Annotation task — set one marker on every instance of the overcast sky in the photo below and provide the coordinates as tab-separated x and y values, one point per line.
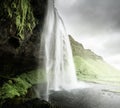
94	23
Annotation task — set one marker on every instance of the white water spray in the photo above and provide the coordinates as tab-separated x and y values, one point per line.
55	46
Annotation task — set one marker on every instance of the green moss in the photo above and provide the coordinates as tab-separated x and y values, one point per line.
19	85
21	13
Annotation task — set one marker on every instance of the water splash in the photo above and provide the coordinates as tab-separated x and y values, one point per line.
55	50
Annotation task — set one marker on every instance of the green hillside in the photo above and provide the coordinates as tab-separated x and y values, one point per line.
91	67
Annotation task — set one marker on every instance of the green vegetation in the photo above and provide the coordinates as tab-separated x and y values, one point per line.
18	86
21	13
96	71
91	67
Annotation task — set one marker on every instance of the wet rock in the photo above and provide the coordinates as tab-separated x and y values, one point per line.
22	103
18	55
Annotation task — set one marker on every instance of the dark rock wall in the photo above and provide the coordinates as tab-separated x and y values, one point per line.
19	55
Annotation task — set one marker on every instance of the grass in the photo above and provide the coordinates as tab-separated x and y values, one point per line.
96	71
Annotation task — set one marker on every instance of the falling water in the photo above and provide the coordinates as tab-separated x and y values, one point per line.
55	46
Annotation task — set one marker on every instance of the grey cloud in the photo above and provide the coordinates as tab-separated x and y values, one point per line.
94	19
113	45
97	14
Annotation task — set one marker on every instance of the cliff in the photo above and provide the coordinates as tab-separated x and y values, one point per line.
79	50
21	24
92	67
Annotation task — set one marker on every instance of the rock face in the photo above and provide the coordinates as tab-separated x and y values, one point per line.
79	50
20	28
22	103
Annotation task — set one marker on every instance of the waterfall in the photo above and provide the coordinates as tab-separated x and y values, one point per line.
55	50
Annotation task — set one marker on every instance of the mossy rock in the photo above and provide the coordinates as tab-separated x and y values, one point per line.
19	85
